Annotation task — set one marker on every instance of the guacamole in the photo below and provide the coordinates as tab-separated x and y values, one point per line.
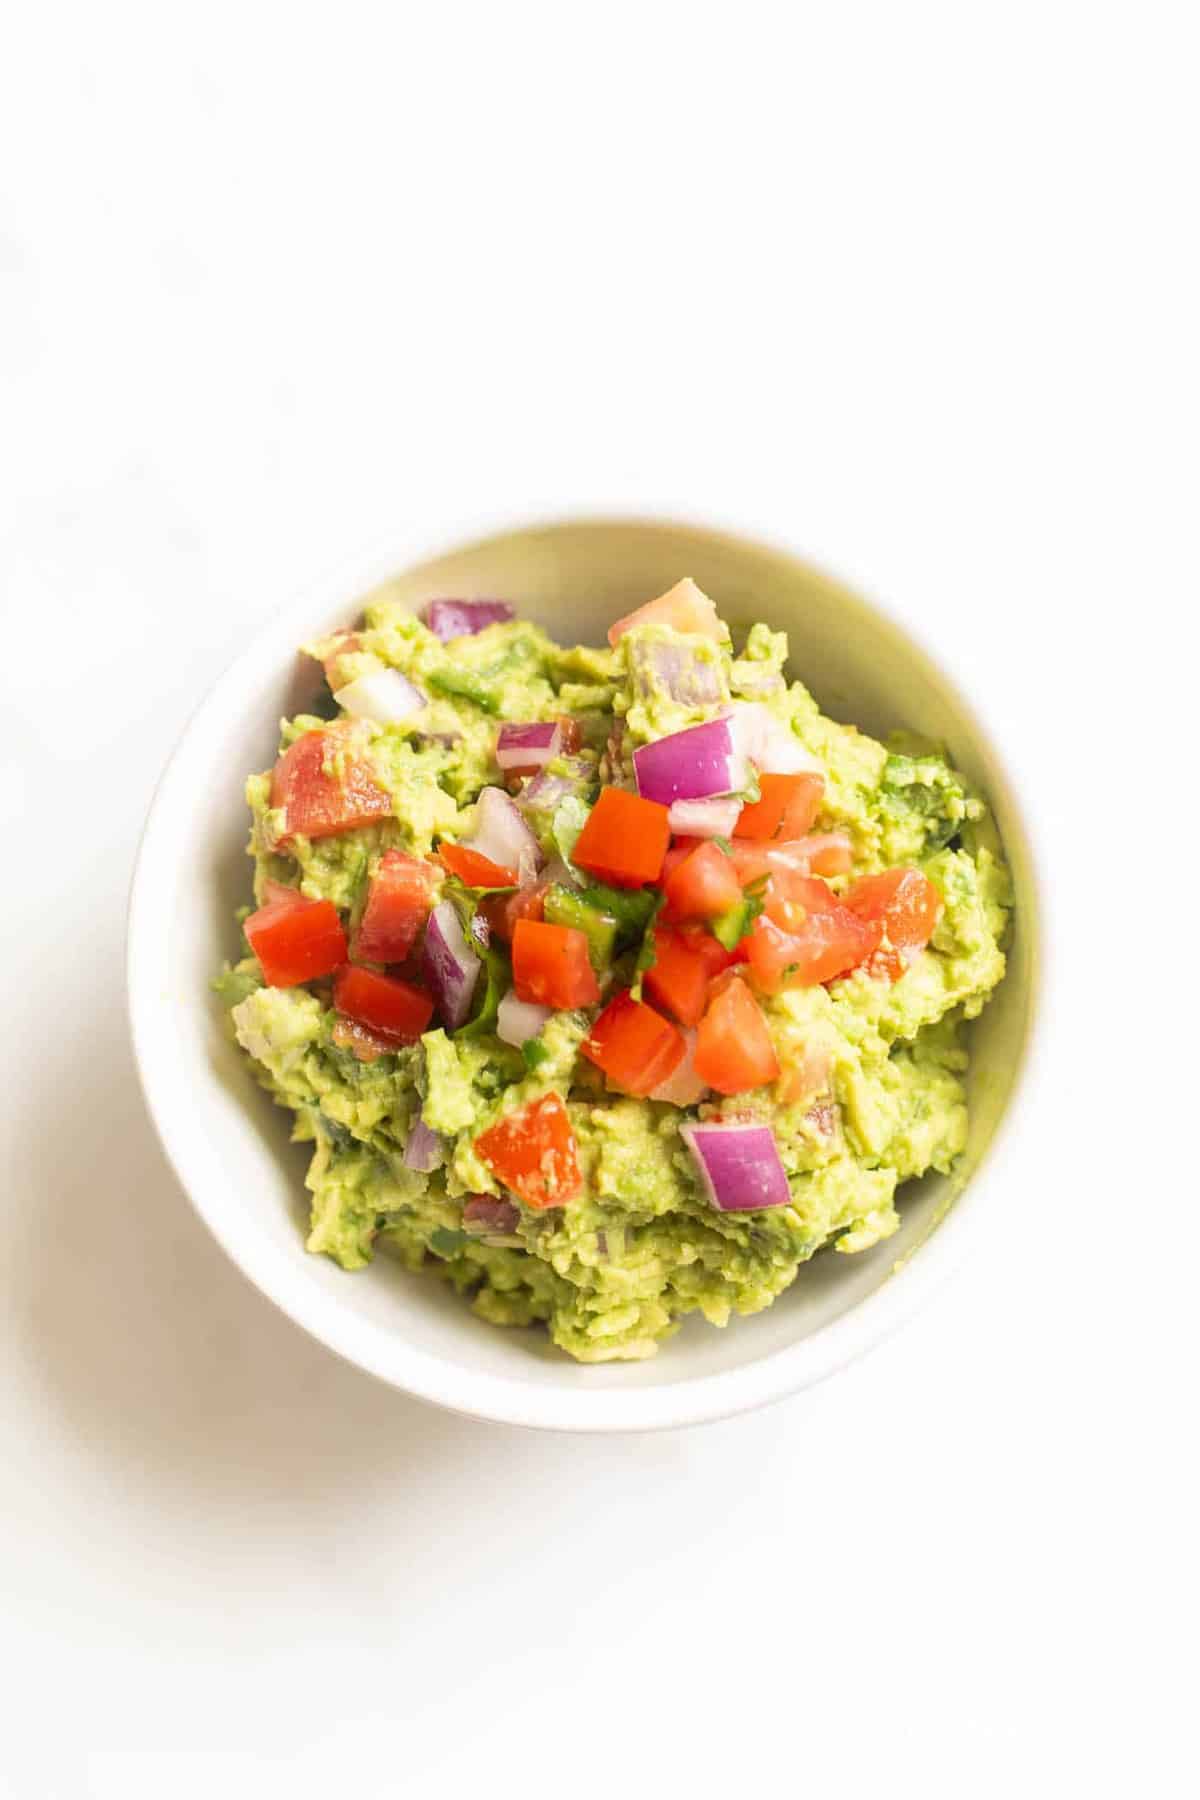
607	984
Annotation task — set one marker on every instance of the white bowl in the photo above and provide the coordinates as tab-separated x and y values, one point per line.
229	1144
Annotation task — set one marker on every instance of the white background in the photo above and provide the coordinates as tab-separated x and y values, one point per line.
912	287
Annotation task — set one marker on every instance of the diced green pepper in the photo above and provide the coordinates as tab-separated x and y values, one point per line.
563	907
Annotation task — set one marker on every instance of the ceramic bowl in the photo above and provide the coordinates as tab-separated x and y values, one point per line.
229	1144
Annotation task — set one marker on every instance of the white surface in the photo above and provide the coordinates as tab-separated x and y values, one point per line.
229	1146
918	282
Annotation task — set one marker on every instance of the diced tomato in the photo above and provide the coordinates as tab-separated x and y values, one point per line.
786	807
685	607
323	784
887	963
475	870
634	1045
904	901
296	940
703	886
624	840
399	901
393	1009
275	892
822	853
502	911
534	1153
551	965
678	978
750	860
701	942
806	936
734	1051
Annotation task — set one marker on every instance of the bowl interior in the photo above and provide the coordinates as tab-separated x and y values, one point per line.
230	1144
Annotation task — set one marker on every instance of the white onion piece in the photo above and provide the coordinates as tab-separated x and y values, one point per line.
772	746
519	1020
502	835
683	1087
704	818
560	874
384	695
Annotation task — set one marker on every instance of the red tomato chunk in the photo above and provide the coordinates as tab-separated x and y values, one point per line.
296	940
324	785
394	1010
534	1153
399	901
551	965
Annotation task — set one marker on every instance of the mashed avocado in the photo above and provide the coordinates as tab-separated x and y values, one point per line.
866	1090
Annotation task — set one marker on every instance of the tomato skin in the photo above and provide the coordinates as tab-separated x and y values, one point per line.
904	901
685	606
807	937
502	911
703	886
634	1045
473	870
734	1052
701	942
534	1153
399	900
678	978
787	807
393	1010
323	786
552	966
296	940
624	840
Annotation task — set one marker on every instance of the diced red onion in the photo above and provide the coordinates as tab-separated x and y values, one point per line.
502	835
462	618
483	1212
704	818
449	965
546	791
691	765
519	1020
384	695
425	1149
771	746
528	746
688	678
683	1087
739	1166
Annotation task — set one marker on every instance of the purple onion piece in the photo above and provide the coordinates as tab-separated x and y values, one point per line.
739	1166
425	1149
687	677
502	835
524	746
483	1212
449	965
705	818
462	618
695	764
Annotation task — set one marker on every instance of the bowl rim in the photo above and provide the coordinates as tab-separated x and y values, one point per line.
481	1394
